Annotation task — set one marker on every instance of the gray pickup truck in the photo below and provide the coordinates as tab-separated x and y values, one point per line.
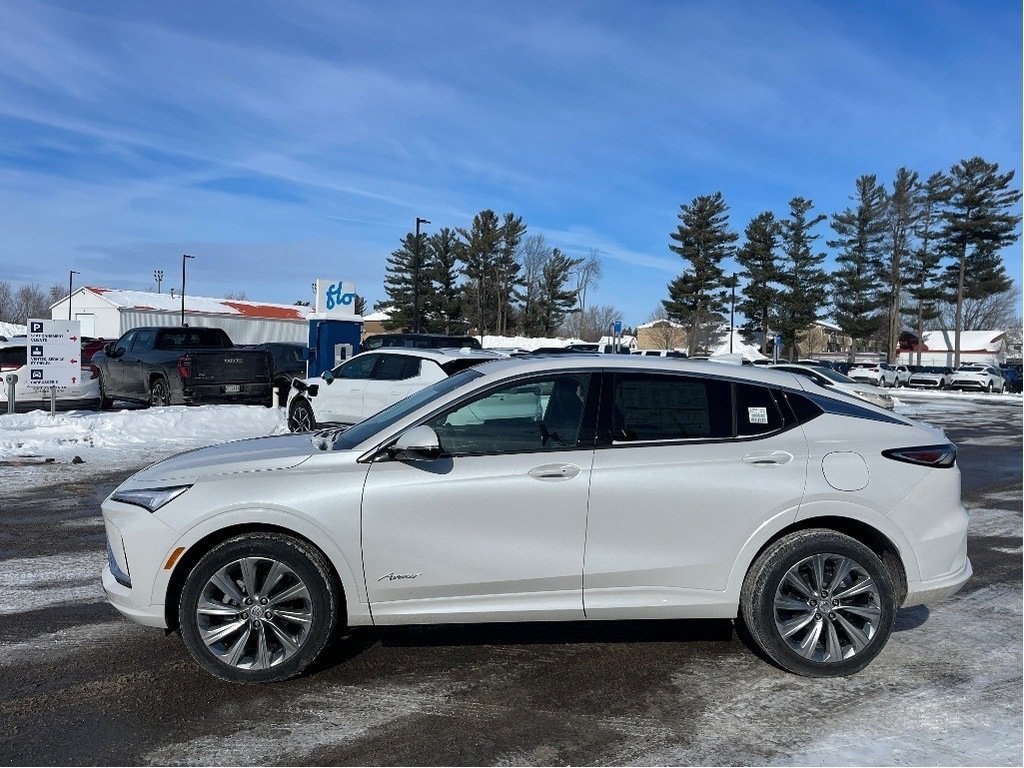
171	366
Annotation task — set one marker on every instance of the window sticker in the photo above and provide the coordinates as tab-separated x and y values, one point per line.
757	415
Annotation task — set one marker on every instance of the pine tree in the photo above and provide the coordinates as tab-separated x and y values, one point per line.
479	252
554	298
859	292
506	270
980	219
398	285
442	265
760	265
901	216
804	282
923	262
704	240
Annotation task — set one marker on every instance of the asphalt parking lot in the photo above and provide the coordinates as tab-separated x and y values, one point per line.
81	686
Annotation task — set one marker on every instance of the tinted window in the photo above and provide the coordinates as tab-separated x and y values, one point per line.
125	342
193	338
143	340
756	411
543	414
397	368
653	407
359	367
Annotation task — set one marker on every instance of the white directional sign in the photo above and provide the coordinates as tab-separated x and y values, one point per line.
54	353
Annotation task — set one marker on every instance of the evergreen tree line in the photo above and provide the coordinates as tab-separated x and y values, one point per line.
491	278
902	254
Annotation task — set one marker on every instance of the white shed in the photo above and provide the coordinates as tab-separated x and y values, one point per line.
107	313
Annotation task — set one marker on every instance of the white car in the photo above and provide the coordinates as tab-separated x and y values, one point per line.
903	374
577	488
372	381
930	377
878	374
826	377
83	393
985	378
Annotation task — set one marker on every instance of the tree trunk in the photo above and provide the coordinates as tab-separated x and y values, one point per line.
959	307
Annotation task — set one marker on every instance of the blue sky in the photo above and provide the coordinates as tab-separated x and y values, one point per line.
282	142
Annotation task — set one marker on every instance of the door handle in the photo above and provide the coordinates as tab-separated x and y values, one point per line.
773	459
555	472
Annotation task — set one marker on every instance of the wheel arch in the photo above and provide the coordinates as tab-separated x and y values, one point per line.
199	549
863	532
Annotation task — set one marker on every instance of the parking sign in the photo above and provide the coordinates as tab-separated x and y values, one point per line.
55	353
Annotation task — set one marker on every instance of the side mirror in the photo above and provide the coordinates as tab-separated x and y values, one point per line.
327	376
417	444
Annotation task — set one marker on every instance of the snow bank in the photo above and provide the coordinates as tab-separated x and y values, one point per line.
117	440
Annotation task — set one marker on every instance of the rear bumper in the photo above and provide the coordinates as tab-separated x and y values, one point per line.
258	394
934	589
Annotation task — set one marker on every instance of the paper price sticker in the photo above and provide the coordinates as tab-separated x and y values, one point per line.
757	415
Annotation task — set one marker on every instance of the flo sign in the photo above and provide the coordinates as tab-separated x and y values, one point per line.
335	298
54	353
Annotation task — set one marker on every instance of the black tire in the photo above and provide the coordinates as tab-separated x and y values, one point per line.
106	403
990	388
300	416
830	636
272	647
159	391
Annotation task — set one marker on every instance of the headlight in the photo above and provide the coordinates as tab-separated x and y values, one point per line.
150	498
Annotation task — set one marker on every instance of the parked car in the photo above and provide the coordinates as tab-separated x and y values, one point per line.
419	341
287	362
829	379
985	378
930	377
552	489
83	393
371	381
903	374
879	374
171	366
1013	379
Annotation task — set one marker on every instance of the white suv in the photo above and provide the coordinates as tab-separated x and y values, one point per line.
571	488
372	381
83	393
879	374
986	378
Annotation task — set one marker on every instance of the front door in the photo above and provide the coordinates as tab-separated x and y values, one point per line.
495	528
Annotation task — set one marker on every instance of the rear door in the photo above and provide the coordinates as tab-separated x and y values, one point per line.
687	468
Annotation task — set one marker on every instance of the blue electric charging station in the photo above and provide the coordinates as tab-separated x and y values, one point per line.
331	341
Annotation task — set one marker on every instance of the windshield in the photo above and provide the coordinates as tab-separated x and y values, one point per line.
368	427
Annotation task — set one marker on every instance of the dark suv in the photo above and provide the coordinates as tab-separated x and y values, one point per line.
419	341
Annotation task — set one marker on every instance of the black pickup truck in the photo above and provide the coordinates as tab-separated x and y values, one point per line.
170	366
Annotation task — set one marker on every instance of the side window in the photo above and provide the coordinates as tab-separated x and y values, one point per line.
143	340
545	414
125	342
666	407
359	367
756	411
397	368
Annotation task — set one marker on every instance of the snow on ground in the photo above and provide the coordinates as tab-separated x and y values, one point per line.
108	441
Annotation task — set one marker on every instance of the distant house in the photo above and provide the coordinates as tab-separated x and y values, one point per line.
109	312
986	347
661	334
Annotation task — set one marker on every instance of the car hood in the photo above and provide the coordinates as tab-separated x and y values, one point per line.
253	455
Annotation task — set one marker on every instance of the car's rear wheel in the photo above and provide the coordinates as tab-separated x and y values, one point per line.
300	416
819	603
258	608
159	392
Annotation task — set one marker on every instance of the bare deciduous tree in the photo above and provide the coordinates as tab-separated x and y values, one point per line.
995	312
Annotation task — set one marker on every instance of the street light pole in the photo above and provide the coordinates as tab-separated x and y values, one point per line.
183	257
416	277
71	278
158	275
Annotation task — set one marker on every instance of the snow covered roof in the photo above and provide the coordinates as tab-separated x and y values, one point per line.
656	323
827	324
377	317
970	341
10	329
164	302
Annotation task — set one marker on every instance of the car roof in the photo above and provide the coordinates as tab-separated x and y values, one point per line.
441	355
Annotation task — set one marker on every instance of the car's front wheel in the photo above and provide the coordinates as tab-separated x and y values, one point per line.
819	603
300	416
258	608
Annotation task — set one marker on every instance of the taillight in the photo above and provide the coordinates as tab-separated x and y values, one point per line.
939	456
184	366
